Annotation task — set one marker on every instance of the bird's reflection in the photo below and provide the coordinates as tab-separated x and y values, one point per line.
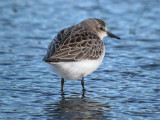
77	108
63	94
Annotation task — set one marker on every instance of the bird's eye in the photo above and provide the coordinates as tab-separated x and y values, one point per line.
101	28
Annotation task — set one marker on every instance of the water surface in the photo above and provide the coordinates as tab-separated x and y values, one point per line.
125	87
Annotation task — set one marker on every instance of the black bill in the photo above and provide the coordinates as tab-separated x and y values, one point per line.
112	35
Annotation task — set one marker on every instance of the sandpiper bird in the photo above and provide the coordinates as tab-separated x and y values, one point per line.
78	50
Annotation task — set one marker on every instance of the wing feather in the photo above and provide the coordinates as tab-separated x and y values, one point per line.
70	46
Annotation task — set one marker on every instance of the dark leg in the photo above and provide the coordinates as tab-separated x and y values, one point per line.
62	83
83	94
82	82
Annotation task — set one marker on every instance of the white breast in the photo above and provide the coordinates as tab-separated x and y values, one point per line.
76	70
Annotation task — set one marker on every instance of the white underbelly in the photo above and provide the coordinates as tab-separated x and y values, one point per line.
76	70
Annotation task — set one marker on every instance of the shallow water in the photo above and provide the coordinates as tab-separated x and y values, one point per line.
125	87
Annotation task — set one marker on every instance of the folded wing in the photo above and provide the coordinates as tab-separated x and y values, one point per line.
72	45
